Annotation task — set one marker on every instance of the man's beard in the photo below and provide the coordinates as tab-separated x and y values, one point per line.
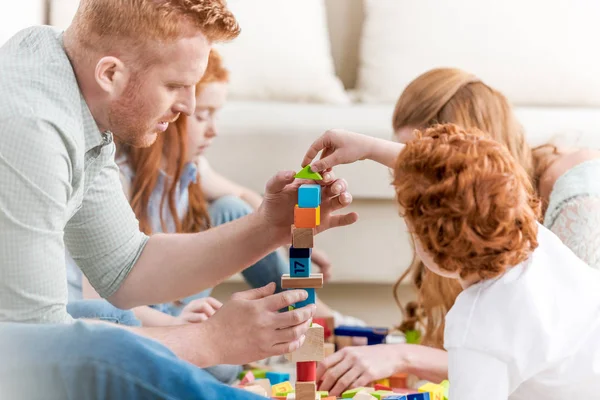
127	119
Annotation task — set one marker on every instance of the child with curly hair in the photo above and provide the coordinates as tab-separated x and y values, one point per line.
527	323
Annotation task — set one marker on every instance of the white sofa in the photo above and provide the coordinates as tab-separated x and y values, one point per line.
258	138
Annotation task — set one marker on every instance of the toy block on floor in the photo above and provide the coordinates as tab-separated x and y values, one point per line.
309	196
306	371
382	394
396	397
398	380
283	387
379	386
277	377
306	390
446	385
311	299
349	394
312	348
328	349
436	392
418	396
307	173
314	281
307	217
248	378
257	389
364	396
383	382
303	238
265	384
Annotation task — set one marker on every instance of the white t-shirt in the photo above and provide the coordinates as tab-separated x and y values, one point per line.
533	333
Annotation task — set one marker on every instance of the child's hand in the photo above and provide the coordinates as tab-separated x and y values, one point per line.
339	147
320	259
250	327
198	310
355	366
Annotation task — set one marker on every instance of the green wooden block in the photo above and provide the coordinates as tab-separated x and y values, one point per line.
260	373
349	394
446	386
323	393
413	337
291	308
307	173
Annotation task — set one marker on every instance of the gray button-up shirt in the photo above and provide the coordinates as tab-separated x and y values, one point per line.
59	185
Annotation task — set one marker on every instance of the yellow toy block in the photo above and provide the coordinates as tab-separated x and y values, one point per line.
436	392
384	382
283	387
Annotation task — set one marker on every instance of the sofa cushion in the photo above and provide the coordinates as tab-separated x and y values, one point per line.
283	52
536	52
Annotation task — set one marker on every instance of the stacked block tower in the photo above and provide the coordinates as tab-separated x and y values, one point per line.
307	215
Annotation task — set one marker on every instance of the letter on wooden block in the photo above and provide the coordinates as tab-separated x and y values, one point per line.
303	238
309	196
307	217
306	390
314	281
312	349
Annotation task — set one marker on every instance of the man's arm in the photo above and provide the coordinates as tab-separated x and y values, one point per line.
34	179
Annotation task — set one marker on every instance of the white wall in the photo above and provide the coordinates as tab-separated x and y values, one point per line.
19	14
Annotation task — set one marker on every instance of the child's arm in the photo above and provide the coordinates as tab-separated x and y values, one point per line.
215	185
344	147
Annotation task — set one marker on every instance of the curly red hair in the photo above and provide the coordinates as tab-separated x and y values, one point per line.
467	201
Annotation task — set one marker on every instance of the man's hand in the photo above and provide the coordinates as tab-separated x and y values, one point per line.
198	310
281	196
250	327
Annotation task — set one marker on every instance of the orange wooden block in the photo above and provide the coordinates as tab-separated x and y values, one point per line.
398	380
307	217
303	238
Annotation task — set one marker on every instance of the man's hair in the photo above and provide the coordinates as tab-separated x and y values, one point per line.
467	201
114	25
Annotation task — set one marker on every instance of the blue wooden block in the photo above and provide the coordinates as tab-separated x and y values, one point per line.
309	196
277	377
300	267
395	397
312	297
417	396
300	253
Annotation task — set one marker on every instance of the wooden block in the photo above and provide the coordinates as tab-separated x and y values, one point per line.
364	396
299	252
265	384
382	394
300	267
306	390
311	299
309	196
277	377
383	382
436	392
306	371
312	349
328	349
345	341
307	173
303	238
257	389
248	378
283	387
418	396
306	217
349	394
379	386
314	281
398	380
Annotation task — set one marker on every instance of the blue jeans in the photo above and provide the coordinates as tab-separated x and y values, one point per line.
97	361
